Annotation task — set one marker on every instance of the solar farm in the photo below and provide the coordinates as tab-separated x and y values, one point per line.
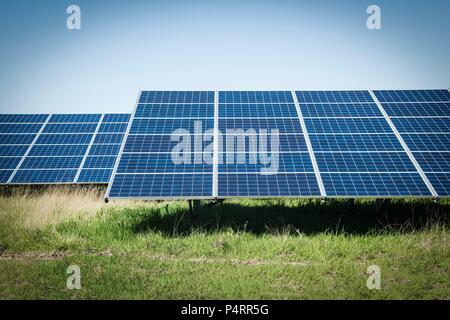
295	194
332	144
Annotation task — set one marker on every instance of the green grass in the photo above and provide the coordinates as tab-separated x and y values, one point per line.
241	249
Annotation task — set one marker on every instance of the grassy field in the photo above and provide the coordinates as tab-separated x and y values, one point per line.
241	249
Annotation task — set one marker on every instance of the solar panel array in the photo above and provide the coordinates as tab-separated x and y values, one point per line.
206	144
59	148
422	118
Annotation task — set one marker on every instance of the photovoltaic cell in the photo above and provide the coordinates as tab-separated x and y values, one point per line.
4	175
375	184
412	95
23	118
94	175
44	176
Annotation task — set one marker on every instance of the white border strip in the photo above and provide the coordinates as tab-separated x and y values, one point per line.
122	146
29	148
77	176
215	187
405	146
309	145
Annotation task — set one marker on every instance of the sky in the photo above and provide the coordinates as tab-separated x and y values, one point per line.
127	46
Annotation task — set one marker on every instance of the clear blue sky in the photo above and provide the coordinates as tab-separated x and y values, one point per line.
125	46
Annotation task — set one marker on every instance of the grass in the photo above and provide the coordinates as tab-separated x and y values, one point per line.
241	249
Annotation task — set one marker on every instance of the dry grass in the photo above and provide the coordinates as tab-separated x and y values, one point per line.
34	211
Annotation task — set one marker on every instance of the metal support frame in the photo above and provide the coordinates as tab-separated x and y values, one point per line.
405	146
88	150
29	148
309	146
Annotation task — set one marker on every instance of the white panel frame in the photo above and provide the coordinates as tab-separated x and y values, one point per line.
405	146
29	148
323	192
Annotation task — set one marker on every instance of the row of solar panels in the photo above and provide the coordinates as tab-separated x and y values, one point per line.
59	148
332	144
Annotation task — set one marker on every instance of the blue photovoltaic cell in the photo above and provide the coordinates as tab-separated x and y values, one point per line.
4	175
333	97
9	162
20	128
261	110
352	125
116	117
427	142
94	176
162	163
168	126
364	162
74	118
44	176
254	163
109	138
51	163
99	162
257	185
255	97
175	111
374	184
58	150
282	125
367	142
427	125
440	182
417	109
433	161
151	143
412	95
177	97
161	185
70	128
13	151
64	139
340	110
16	138
113	127
23	118
105	150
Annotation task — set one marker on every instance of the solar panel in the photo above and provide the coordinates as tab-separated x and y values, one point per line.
422	118
145	168
356	150
240	170
47	149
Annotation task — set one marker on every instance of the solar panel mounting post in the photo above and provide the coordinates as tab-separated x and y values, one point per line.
122	147
29	148
309	146
405	146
